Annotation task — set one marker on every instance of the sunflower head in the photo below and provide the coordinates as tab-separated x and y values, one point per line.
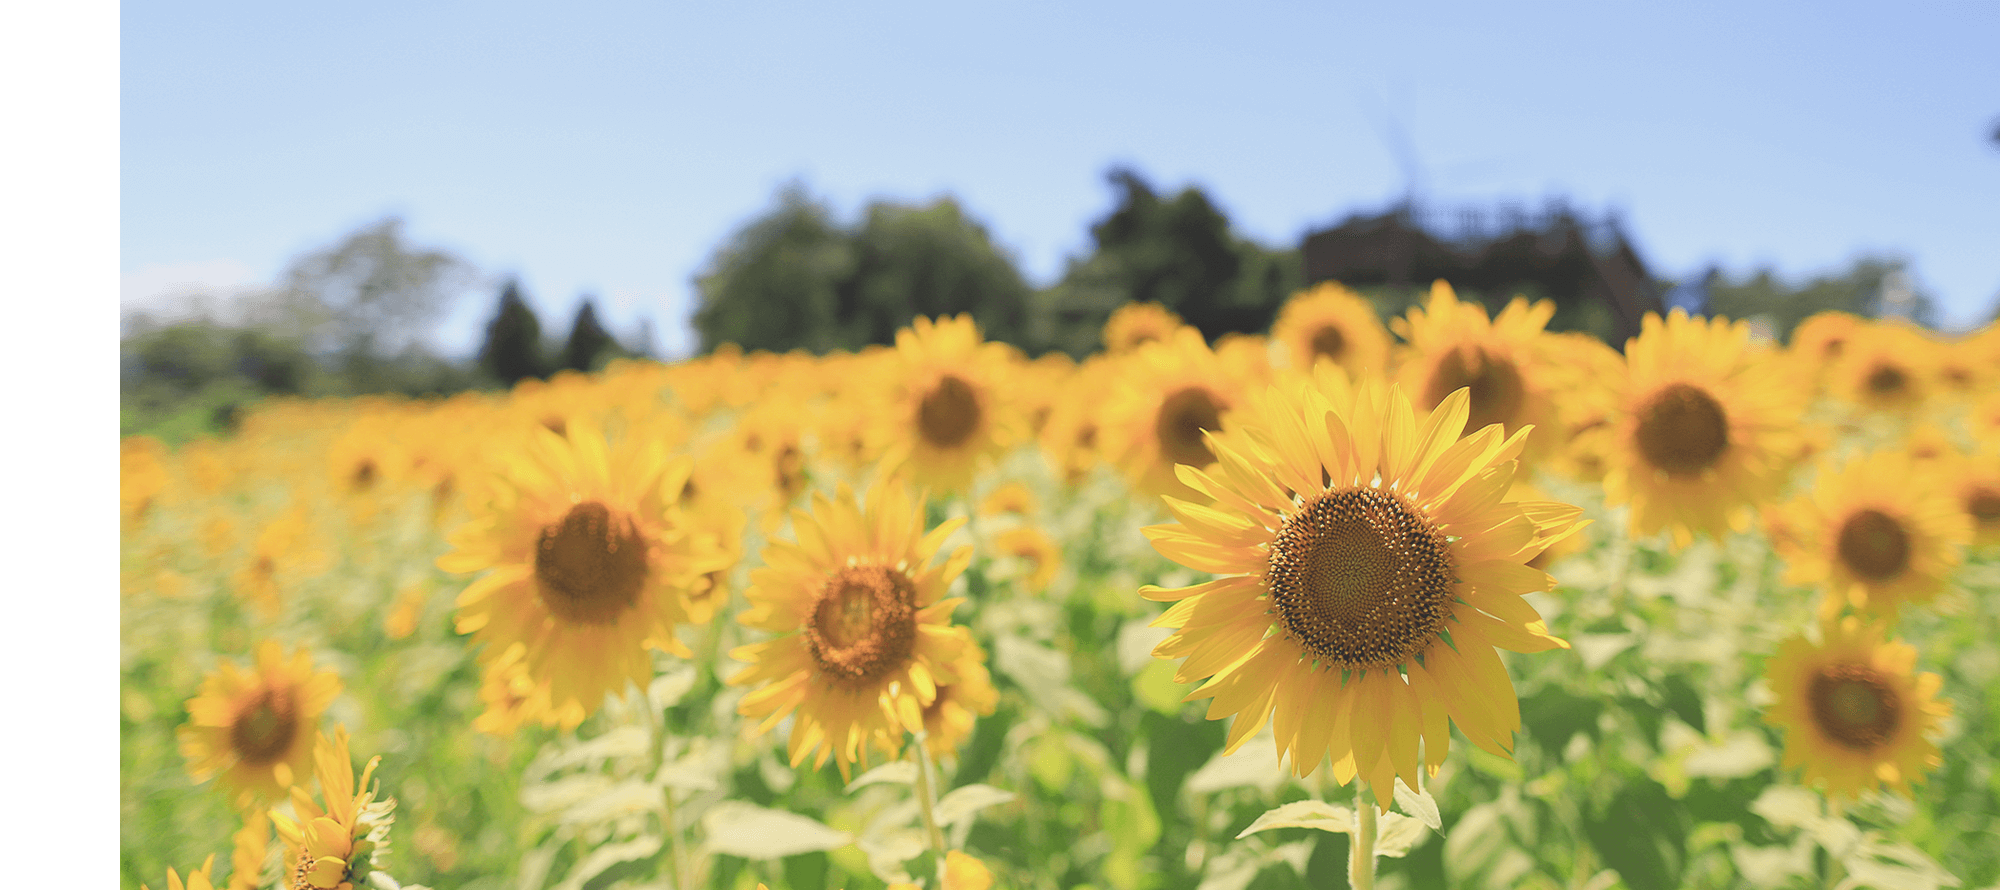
1855	715
254	727
1879	532
1452	345
1369	565
952	406
1886	367
589	562
864	633
949	717
1168	396
1331	323
1705	431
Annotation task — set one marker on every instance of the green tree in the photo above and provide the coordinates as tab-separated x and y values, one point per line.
513	347
1860	289
775	284
588	340
371	294
932	261
1178	251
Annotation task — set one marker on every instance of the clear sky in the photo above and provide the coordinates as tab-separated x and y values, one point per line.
609	148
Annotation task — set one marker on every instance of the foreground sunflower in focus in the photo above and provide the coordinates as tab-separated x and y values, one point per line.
1370	565
865	632
1705	433
590	560
254	727
1855	715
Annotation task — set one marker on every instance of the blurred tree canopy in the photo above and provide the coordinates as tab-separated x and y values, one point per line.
1872	286
795	278
1178	251
370	293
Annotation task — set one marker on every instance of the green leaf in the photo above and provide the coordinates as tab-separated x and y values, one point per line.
1419	804
901	772
753	832
1303	814
1641	834
1396	833
963	803
604	857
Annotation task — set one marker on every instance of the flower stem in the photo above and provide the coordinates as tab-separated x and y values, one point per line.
927	803
669	822
1361	853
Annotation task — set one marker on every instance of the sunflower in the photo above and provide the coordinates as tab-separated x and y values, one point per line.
591	562
1975	484
510	695
1854	714
1370	566
1452	345
1886	367
1135	324
335	847
1073	440
1165	396
1705	430
948	718
867	633
950	409
1878	532
253	728
1031	545
1011	498
251	843
1333	323
142	475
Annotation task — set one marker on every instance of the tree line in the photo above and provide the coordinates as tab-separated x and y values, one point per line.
351	318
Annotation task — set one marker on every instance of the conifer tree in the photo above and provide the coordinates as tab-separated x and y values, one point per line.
513	347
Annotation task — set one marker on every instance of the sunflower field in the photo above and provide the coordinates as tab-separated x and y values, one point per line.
1451	602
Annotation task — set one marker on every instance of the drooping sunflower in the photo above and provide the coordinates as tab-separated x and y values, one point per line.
1855	716
591	562
1369	567
1135	324
1878	533
254	727
1165	395
1333	323
866	633
1705	429
1453	345
334	847
949	409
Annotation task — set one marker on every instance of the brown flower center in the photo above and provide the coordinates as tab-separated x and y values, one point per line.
1328	341
263	729
1683	430
591	565
1874	546
1887	381
363	477
1853	706
1497	390
1183	415
949	413
1983	502
864	624
1361	579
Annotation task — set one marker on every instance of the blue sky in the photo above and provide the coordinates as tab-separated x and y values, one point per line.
609	149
